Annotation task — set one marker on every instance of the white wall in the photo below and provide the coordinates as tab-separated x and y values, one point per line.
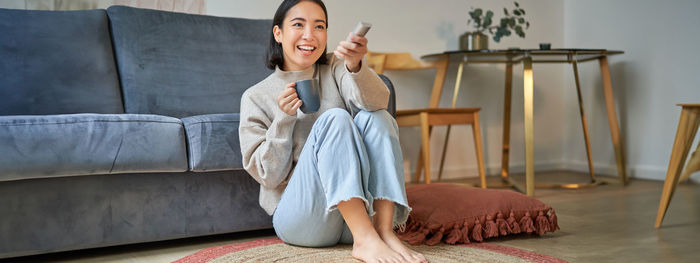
658	70
425	27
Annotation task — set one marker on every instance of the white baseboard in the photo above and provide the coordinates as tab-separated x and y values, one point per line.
647	172
491	169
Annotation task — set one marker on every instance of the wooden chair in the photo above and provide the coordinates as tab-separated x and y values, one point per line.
426	118
685	133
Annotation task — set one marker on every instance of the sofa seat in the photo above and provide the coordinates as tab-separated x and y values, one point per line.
41	146
212	142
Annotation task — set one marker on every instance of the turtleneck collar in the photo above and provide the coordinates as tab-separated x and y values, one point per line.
297	75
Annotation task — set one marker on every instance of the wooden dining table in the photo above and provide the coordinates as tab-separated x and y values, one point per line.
528	57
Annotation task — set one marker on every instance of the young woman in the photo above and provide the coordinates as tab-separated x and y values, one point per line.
333	176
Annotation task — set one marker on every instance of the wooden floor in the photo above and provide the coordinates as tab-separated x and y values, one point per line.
608	223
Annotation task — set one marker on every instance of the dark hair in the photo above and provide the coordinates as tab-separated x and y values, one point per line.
275	56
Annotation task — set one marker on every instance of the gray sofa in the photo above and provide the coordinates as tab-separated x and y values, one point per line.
120	126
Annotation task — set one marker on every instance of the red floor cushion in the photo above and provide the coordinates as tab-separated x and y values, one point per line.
459	214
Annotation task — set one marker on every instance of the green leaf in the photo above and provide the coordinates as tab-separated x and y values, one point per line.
478	12
507	33
497	39
511	21
519	31
521	20
489	14
473	15
516	12
487	22
516	4
528	25
522	11
505	11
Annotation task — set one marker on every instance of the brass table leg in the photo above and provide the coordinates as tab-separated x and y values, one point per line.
589	154
506	121
612	120
528	123
687	127
528	101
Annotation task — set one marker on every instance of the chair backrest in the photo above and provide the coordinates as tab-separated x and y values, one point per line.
405	61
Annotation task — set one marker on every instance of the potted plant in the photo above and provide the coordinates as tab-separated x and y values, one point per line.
513	21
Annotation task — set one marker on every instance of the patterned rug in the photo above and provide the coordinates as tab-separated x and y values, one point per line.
274	250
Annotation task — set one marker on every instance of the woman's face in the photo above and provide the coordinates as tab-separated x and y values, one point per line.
302	35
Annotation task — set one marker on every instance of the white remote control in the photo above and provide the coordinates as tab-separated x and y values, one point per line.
361	29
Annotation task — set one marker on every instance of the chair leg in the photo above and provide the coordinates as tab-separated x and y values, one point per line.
476	128
444	152
687	127
693	165
425	142
419	163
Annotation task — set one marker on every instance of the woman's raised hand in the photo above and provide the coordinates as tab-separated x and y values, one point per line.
288	101
352	51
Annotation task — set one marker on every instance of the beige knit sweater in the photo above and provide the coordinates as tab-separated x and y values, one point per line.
271	140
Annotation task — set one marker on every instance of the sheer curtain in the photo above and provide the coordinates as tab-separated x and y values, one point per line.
184	6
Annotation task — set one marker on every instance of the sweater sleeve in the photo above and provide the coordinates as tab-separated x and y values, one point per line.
266	143
363	89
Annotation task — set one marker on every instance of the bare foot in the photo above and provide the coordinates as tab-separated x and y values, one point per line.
395	243
374	250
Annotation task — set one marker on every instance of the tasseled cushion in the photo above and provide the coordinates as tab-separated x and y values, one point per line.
456	214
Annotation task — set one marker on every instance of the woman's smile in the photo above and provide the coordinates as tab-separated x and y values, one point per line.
306	50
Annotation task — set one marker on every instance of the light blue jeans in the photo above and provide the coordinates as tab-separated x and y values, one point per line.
343	158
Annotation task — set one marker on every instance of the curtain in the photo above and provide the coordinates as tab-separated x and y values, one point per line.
183	6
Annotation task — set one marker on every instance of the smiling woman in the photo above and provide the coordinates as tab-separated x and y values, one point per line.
297	39
322	174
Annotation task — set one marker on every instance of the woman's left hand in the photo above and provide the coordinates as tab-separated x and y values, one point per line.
352	51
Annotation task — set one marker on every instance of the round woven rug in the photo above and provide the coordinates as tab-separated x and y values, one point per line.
274	250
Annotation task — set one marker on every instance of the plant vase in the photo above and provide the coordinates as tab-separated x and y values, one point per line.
473	41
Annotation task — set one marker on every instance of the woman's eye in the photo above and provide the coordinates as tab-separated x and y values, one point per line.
320	27
297	25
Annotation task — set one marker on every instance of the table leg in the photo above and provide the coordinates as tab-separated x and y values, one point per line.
449	127
584	123
612	119
528	101
687	127
506	121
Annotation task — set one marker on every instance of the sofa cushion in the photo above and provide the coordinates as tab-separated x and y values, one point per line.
184	65
82	144
57	63
212	142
